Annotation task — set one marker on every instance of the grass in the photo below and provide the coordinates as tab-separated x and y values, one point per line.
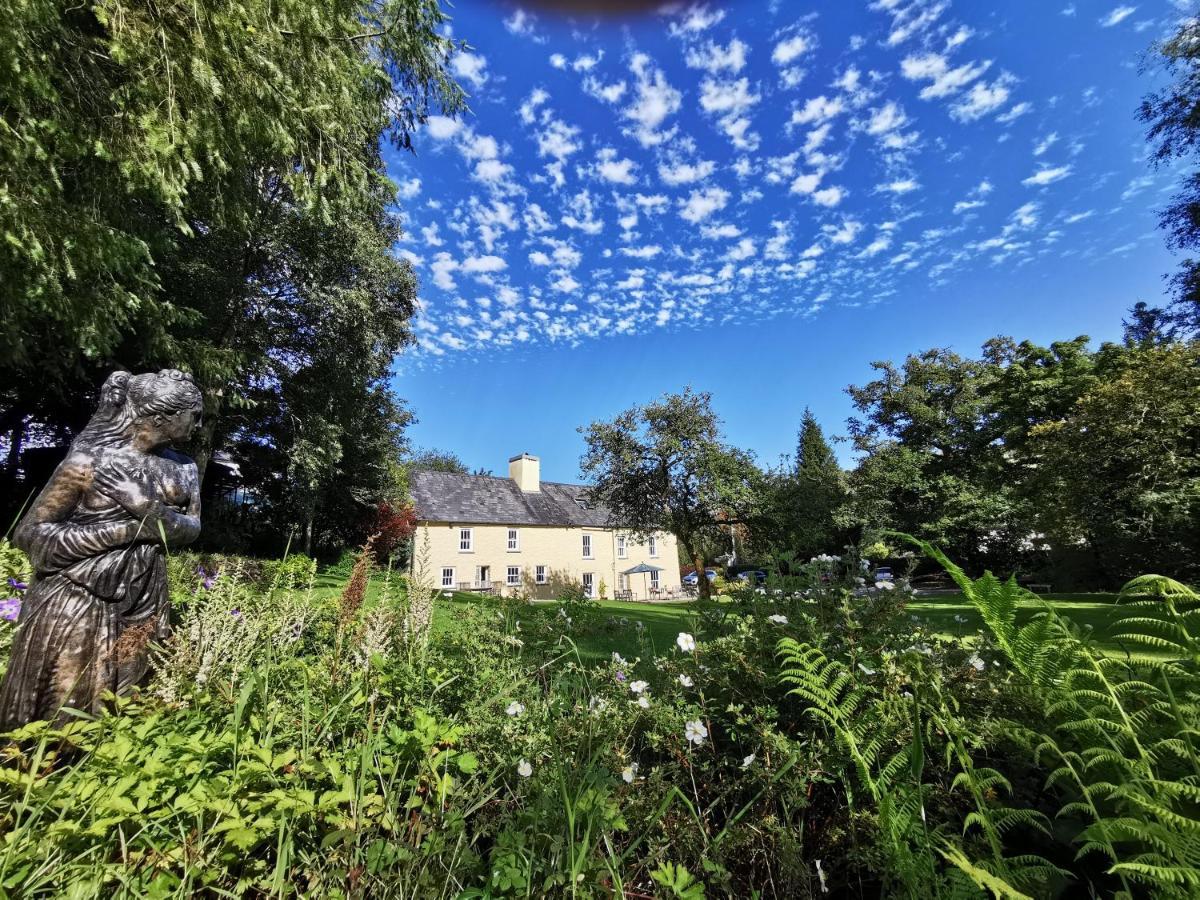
662	622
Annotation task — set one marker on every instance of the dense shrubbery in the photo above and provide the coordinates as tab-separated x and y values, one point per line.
807	735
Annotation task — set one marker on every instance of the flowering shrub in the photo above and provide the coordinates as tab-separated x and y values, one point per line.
804	737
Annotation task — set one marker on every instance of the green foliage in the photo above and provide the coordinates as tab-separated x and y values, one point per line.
664	467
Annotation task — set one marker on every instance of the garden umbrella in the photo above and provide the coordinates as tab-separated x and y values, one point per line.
644	569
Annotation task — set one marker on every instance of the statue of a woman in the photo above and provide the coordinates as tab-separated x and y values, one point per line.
96	537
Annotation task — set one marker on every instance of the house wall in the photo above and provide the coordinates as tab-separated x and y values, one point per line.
559	549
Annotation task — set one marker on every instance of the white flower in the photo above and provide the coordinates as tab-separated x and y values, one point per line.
618	659
976	662
746	761
695	731
885	586
685	680
866	671
524	769
643	701
638	686
686	642
515	708
778	619
629	773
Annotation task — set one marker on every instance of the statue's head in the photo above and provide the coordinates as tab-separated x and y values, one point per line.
165	406
167	402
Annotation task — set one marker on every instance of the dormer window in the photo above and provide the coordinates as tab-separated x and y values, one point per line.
583	503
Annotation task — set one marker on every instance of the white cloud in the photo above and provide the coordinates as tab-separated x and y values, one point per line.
934	68
558	60
911	19
830	196
1014	113
440	127
521	23
558	140
470	67
843	234
581	214
817	110
983	98
1045	143
743	249
714	58
727	97
964	205
617	171
1117	16
703	203
585	63
491	170
685	173
1047	175
902	186
789	49
609	93
718	232
697	18
807	183
408	189
648	252
481	264
656	100
1078	217
444	264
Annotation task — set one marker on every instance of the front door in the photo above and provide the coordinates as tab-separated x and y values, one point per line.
483	576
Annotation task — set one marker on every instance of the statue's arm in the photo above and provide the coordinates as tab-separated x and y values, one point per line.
183	527
50	540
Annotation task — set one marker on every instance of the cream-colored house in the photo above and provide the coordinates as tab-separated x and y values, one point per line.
522	535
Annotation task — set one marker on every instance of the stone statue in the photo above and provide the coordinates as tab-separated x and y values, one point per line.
97	536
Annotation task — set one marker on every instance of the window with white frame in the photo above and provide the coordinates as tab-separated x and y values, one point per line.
589	584
514	576
654	583
622	551
447	578
539	574
620	581
466	540
587	546
653	545
514	540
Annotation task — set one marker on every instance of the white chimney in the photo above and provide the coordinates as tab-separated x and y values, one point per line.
526	471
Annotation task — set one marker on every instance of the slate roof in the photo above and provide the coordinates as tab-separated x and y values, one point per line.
488	500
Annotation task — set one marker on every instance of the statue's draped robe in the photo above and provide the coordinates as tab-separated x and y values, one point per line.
68	648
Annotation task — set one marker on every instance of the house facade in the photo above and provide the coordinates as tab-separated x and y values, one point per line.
522	535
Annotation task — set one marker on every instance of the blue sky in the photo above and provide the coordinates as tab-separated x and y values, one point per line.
760	198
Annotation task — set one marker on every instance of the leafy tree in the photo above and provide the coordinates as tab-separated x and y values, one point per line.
437	461
1121	470
800	500
1173	119
664	467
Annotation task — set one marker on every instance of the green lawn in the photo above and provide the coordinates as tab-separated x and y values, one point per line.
661	622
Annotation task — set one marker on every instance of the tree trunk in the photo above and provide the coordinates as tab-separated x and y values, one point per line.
702	584
308	530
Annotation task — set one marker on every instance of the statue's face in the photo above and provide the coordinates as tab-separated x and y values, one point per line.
180	426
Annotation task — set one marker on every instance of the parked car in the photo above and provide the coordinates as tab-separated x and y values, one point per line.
759	576
690	577
883	573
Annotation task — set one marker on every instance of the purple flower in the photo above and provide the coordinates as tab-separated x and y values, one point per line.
17	585
236	613
207	579
620	676
10	608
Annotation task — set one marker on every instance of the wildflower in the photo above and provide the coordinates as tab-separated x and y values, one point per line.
621	677
686	642
524	769
597	704
10	608
643	701
515	709
236	613
685	680
638	686
885	586
618	659
18	586
746	761
976	662
695	731
778	619
629	773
